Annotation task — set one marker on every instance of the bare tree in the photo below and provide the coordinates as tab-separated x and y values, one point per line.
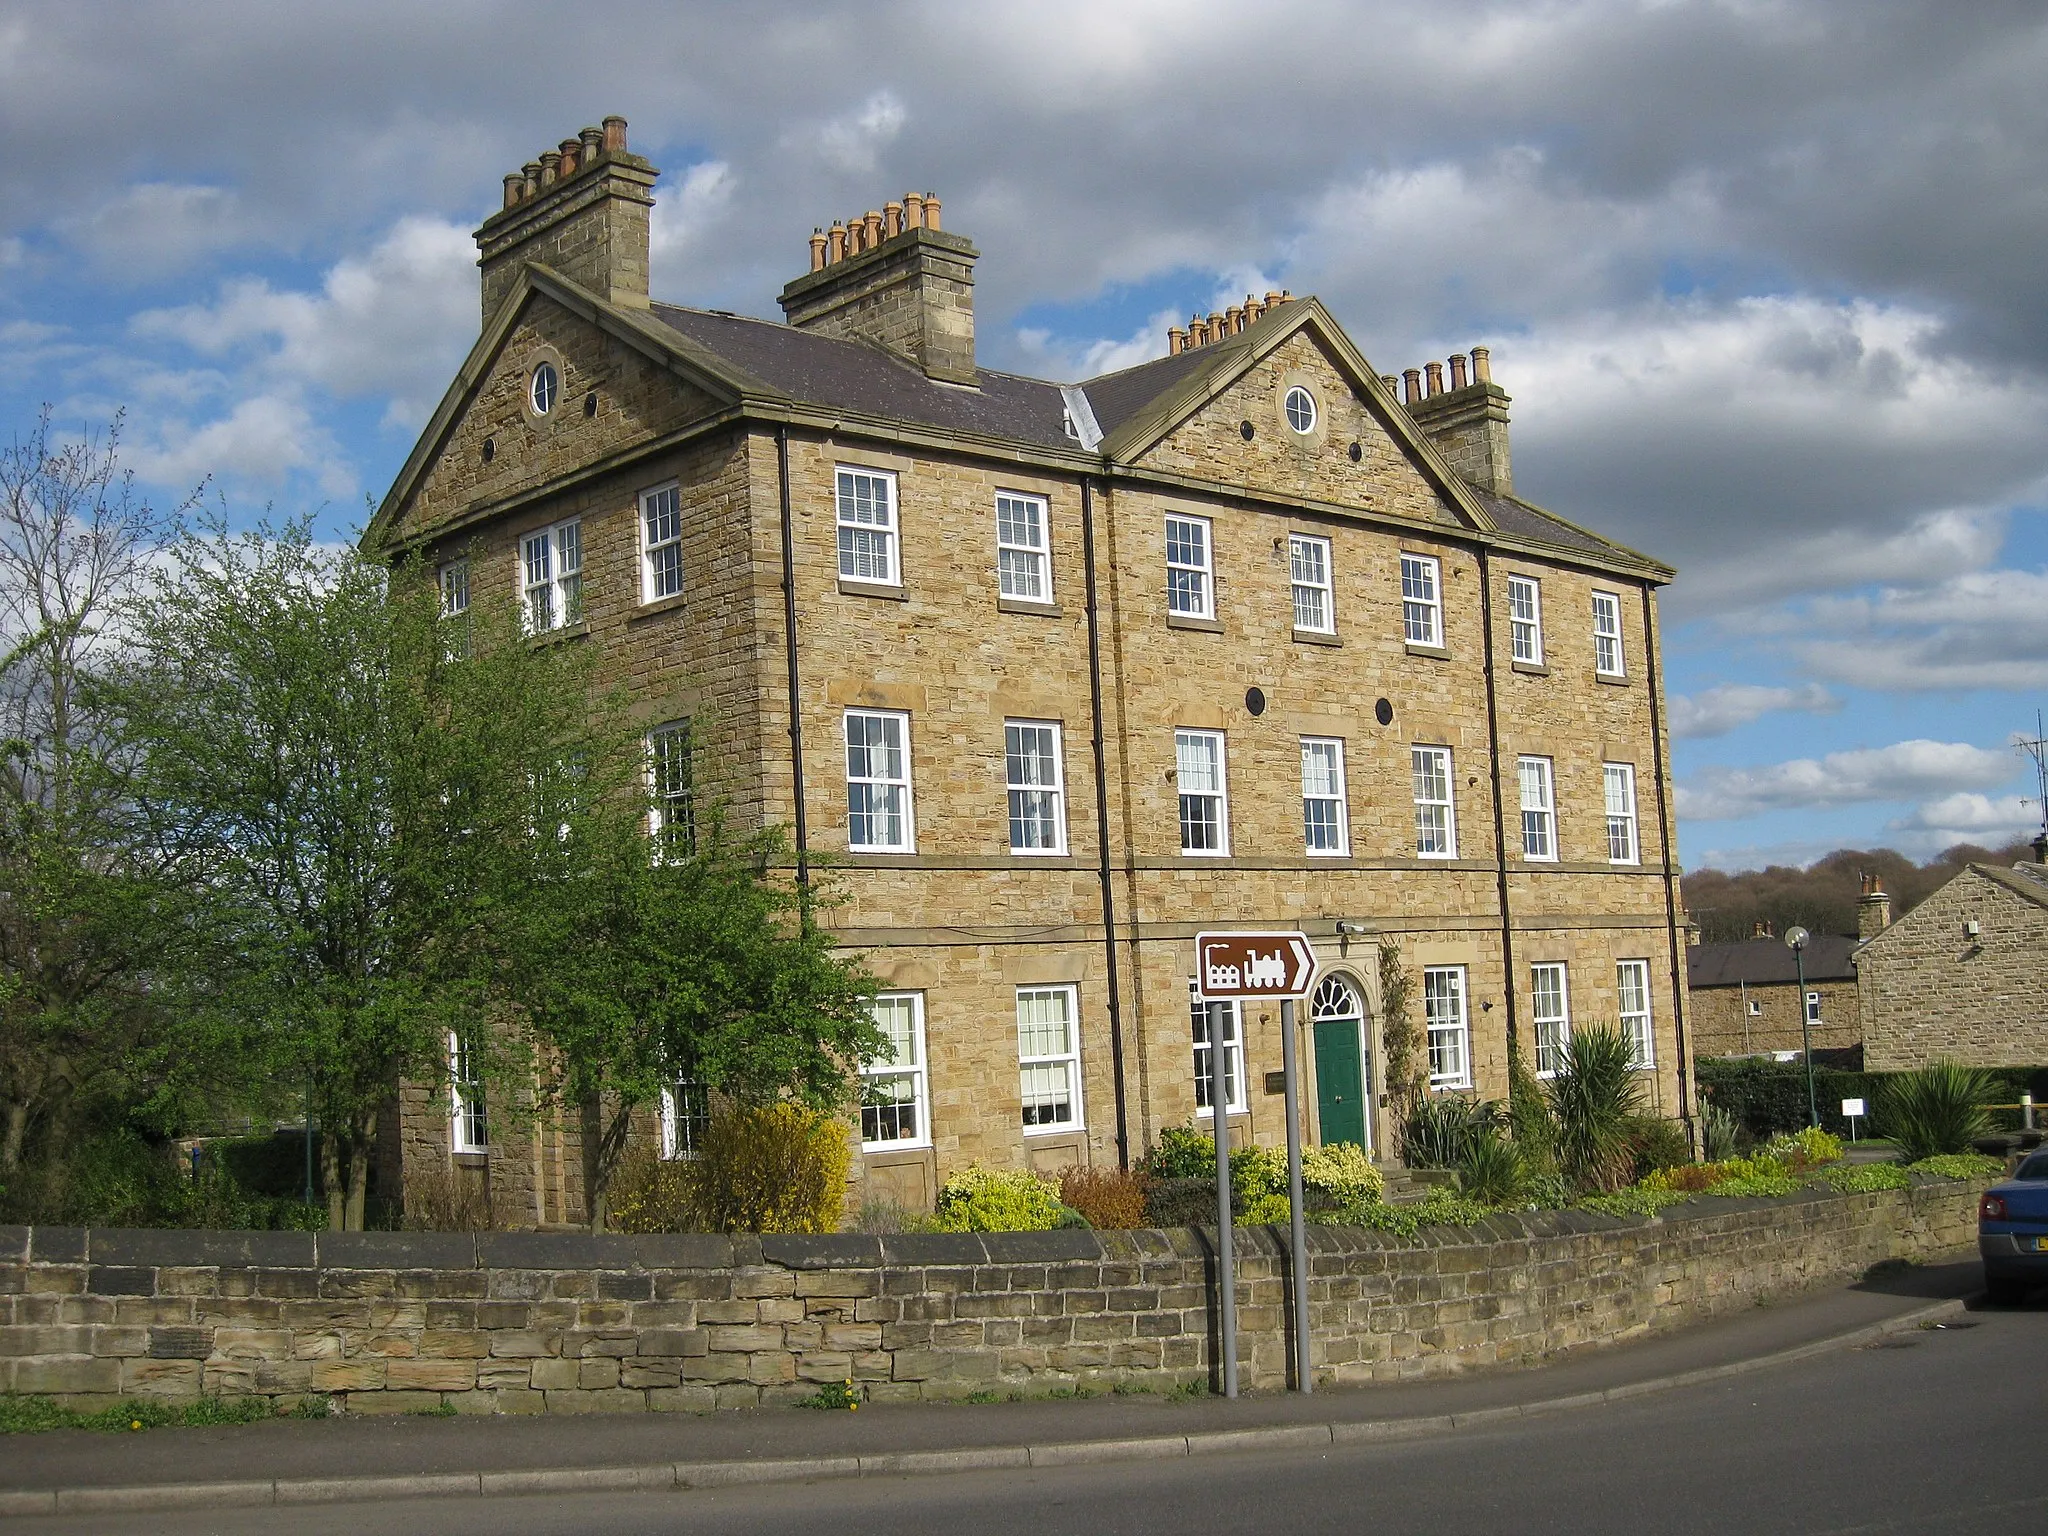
74	535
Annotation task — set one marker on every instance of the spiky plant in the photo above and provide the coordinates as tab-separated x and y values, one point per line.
1936	1110
1593	1099
1490	1170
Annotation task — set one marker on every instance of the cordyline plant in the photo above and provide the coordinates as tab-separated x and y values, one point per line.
1594	1100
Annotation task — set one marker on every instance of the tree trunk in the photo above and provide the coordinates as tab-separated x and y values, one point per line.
16	1134
595	1206
361	1145
330	1179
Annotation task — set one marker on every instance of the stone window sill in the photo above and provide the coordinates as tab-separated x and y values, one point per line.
1188	621
477	1159
1613	680
1530	668
659	606
1315	637
561	633
854	588
1026	605
1437	652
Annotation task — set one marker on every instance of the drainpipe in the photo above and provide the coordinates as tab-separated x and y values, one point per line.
1664	847
1500	831
1116	1027
796	728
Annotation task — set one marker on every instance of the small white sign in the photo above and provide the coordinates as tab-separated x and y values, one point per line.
1852	1109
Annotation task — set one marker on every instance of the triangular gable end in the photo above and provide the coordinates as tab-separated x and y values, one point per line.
546	314
1193	425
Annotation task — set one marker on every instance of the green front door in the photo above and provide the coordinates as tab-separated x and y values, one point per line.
1340	1084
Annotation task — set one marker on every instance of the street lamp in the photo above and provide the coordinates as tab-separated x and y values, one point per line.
1796	937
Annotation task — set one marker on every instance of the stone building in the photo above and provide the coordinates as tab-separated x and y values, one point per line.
1961	975
1058	674
1745	999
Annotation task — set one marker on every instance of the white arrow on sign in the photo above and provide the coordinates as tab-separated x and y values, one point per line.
1275	964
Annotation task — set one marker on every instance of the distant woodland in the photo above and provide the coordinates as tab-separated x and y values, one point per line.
1822	897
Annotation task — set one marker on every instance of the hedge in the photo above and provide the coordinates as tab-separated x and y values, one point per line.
1769	1097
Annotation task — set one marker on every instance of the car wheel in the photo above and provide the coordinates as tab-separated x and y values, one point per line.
2003	1291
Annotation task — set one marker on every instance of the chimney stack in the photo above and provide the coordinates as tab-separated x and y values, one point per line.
894	279
1873	908
1761	929
580	208
1468	422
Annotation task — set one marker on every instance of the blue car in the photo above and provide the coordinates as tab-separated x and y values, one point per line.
2012	1231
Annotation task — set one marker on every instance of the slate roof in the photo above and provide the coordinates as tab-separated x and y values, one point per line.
1770	962
1513	515
2028	880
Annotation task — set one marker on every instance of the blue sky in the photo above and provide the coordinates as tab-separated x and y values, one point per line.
1762	277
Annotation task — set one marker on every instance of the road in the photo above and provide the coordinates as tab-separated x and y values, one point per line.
1936	1431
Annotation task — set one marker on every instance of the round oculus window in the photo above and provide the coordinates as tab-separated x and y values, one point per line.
545	385
1301	410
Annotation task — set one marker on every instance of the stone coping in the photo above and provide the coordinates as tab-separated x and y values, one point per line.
200	1248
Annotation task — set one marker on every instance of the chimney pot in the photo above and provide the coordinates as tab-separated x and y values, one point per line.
593	144
1436	377
515	187
615	135
532	175
572	156
1391	385
1482	367
1273	298
913	210
1176	340
1873	908
837	244
550	167
892	220
1457	370
873	220
817	250
931	210
1253	308
598	240
1412	378
1235	319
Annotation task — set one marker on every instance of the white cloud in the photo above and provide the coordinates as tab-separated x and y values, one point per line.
1069	360
1981	629
685	214
1718	710
1966	816
391	322
12	253
156	228
1906	770
853	143
261	442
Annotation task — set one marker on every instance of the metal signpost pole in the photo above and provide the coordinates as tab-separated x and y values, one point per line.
1226	1269
1796	938
1303	1375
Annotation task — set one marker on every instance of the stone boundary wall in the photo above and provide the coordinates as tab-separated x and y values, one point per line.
570	1323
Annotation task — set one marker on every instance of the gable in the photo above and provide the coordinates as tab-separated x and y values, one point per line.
1935	925
1389	474
636	400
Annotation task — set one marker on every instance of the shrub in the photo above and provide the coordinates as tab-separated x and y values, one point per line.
1256	1171
1637	1200
1439	1208
1804	1149
767	1168
1655	1142
647	1194
1862	1178
1720	1131
1182	1153
1594	1099
884	1216
1438	1127
1342	1172
1267	1210
1490	1170
1958	1165
981	1199
1110	1198
1182	1203
1936	1110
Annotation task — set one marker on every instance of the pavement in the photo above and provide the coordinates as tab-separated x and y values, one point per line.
375	1458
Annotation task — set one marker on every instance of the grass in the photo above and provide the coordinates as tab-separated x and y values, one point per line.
35	1415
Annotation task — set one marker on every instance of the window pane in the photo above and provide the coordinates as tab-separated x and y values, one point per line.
1199	759
1549	1008
1322	795
866	521
1443	1002
1233	1063
1187	566
1032	769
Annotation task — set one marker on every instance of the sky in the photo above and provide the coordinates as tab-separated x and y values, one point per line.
1764	278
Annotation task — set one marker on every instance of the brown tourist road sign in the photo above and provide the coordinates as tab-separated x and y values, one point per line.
1253	964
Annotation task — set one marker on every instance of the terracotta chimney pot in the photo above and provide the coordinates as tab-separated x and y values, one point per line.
532	173
572	156
913	210
1482	367
1391	385
1457	370
593	144
615	135
1235	318
818	244
836	243
1176	341
515	187
874	223
550	166
1436	377
1412	378
931	210
892	220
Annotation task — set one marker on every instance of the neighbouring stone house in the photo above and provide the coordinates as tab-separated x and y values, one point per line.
1745	999
1059	674
1964	975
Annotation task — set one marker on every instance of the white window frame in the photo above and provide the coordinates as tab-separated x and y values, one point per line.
543	400
1069	1060
670	800
1634	1012
1197	579
552	587
915	1072
1019	561
685	1109
1447	1030
1287	410
1549	1052
1525	620
661	542
867	538
885	782
1186	736
1312	583
1608	660
454	583
1425	803
1016	786
1233	1054
1624	839
468	1115
1335	795
1813	1007
1537	779
1422	600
